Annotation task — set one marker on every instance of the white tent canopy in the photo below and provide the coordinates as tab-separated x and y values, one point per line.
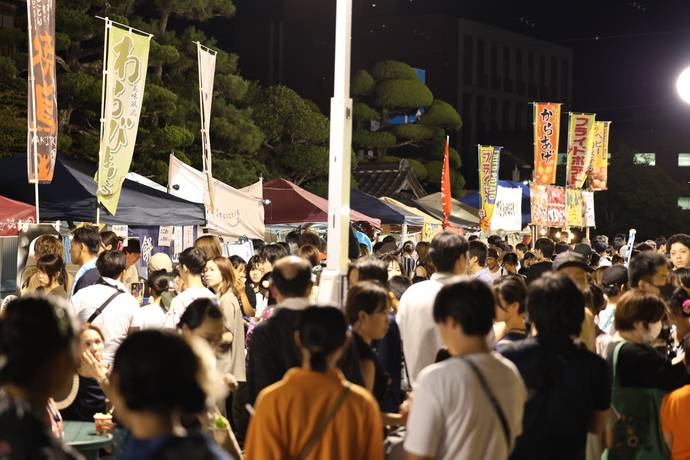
236	213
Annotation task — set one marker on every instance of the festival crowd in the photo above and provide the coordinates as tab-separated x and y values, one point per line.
451	349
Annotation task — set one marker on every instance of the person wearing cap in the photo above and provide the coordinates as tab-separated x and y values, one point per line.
586	250
494	269
573	265
160	261
614	283
133	254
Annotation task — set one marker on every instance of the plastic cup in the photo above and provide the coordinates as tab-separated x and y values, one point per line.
99	420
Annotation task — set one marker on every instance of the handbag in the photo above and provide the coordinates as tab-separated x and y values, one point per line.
637	433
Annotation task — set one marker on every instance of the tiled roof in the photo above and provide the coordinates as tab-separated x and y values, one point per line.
385	179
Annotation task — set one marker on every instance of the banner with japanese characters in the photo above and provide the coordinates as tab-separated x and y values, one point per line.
207	69
547	123
42	113
598	177
508	210
588	204
556	196
580	148
127	57
539	202
575	214
489	164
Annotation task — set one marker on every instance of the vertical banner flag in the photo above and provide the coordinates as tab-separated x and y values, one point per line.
580	148
574	208
598	178
42	109
547	123
508	210
207	70
539	202
588	200
445	186
489	163
126	60
556	197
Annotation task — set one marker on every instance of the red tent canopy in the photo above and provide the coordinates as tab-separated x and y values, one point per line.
292	204
11	212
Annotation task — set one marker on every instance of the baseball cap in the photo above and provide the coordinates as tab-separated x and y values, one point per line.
584	249
570	259
600	247
160	261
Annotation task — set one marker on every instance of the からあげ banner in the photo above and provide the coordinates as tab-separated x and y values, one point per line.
547	122
580	148
489	164
127	56
598	177
42	90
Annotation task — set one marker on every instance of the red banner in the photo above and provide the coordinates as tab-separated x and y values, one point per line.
547	122
445	187
556	206
42	109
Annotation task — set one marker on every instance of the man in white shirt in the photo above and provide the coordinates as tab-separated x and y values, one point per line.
108	304
476	259
418	331
494	269
469	406
192	264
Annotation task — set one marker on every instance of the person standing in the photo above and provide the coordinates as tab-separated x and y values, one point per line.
469	406
191	267
477	255
86	245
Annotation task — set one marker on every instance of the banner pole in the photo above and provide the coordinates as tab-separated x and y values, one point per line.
106	43
32	129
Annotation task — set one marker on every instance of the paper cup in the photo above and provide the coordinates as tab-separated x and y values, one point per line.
100	419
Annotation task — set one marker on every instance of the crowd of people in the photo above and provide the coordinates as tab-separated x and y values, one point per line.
456	348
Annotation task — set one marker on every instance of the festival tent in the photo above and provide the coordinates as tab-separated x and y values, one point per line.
71	196
235	212
428	219
387	212
474	200
425	208
291	204
11	212
460	210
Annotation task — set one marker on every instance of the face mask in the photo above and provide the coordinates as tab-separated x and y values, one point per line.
666	291
654	331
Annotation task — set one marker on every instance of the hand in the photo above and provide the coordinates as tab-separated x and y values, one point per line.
109	426
239	285
92	367
405	408
230	381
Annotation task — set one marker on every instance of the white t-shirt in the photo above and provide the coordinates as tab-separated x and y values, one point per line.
116	318
151	317
180	302
452	416
494	276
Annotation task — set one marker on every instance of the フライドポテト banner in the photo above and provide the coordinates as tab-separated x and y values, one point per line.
489	164
547	122
42	109
580	146
127	58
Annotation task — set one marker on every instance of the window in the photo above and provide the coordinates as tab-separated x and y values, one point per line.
648	159
684	159
684	202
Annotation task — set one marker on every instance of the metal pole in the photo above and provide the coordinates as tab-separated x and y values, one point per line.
103	140
403	233
340	161
32	129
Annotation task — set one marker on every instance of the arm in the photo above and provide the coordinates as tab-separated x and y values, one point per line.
369	374
597	422
668	439
409	456
97	371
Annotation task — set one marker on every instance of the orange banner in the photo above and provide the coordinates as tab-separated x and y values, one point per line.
445	187
580	148
547	122
42	109
598	177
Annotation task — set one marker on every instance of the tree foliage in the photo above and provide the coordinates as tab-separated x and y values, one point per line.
391	89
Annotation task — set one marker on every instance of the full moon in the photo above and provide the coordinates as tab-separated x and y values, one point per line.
683	85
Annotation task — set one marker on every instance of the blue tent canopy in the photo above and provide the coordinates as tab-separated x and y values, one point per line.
474	200
71	196
388	213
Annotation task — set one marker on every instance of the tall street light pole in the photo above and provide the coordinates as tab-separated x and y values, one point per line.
332	280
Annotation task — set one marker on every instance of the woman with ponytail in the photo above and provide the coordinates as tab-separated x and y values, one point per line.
313	412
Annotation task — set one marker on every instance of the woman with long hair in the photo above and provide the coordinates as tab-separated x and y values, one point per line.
51	274
313	412
425	267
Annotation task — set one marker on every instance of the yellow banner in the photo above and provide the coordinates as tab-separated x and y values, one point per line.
127	59
489	164
580	146
598	177
547	122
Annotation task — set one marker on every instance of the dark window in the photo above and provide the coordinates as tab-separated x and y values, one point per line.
481	71
565	81
468	60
